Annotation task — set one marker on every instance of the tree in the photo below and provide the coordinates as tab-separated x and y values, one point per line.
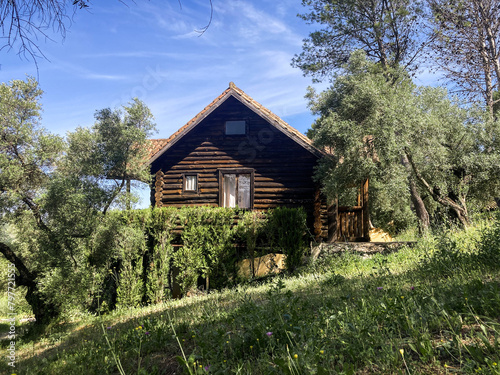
56	192
467	46
389	31
372	123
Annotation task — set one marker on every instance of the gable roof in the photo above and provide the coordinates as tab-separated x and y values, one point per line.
159	146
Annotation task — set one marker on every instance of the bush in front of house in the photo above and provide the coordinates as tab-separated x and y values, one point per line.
146	252
286	230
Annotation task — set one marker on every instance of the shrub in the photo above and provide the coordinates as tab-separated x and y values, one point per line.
250	228
132	246
160	252
206	244
286	229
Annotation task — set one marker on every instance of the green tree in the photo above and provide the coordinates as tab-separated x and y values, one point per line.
388	129
56	192
389	31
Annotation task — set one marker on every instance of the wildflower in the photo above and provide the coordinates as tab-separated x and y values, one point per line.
146	333
193	336
402	351
412	288
108	327
321	352
251	346
206	368
379	288
402	296
446	365
295	356
227	342
269	334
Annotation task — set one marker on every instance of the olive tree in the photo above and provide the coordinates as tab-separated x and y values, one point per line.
56	191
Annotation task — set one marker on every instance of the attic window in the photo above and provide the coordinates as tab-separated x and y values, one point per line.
235	127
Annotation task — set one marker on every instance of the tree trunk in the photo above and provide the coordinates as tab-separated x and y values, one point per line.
418	203
459	208
416	199
43	310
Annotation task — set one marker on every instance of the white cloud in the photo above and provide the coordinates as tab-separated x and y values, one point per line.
105	77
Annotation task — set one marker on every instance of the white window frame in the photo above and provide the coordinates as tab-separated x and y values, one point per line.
186	180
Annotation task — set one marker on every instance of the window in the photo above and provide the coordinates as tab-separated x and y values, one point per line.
190	183
235	127
236	188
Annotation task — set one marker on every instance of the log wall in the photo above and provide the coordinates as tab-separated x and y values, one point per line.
283	169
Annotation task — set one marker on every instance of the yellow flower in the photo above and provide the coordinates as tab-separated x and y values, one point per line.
227	342
295	356
321	352
445	365
402	351
251	346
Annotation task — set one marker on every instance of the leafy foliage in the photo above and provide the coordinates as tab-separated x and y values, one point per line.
286	233
379	125
62	190
350	320
388	31
466	46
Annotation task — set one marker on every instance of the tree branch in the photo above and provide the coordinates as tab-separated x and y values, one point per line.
25	278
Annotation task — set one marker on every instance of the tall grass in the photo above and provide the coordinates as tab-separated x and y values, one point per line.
433	308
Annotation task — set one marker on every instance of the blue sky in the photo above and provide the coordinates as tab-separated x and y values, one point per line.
151	50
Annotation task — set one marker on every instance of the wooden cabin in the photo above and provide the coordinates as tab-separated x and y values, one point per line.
237	153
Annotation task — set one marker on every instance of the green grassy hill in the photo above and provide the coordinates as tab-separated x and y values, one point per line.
433	308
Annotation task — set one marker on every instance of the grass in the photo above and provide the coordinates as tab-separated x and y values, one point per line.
430	309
